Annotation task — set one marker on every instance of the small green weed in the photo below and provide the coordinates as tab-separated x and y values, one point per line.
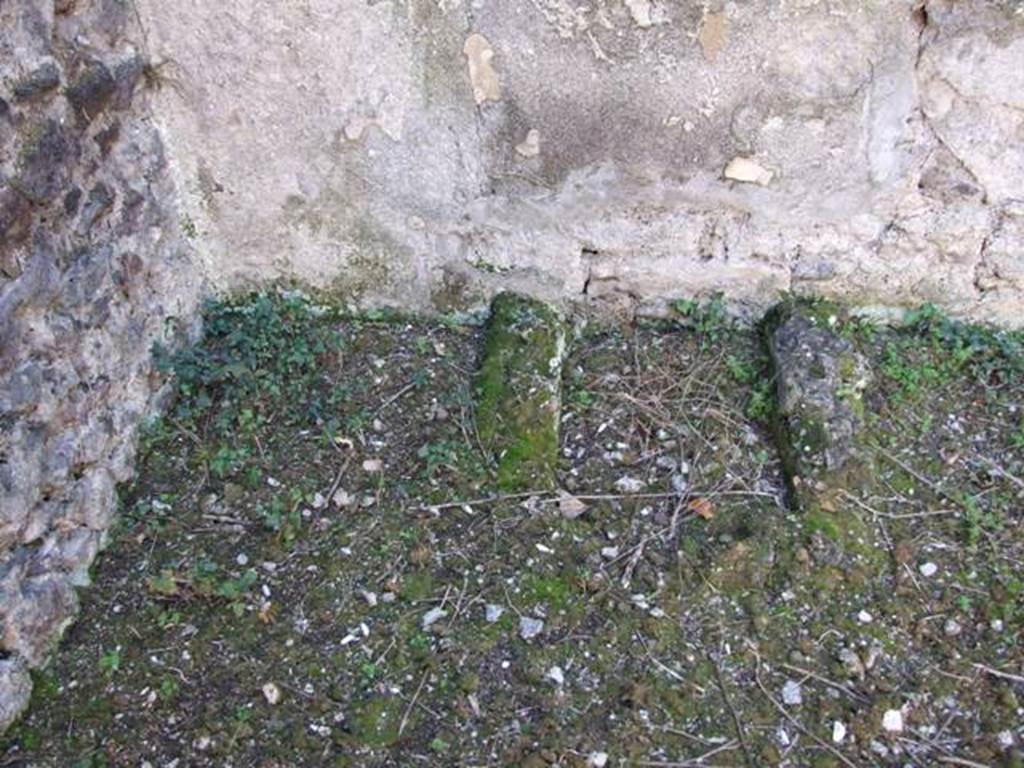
761	406
168	689
439	454
582	399
743	371
260	363
751	373
369	673
978	521
110	662
937	349
707	317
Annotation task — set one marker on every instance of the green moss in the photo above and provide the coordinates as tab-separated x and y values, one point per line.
819	521
378	721
554	591
418	585
518	392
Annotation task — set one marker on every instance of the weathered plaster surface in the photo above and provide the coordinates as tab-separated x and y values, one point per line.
369	148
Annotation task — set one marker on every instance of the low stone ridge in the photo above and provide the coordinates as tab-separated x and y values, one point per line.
92	265
518	391
820	380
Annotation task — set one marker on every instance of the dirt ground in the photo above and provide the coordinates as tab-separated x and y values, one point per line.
316	568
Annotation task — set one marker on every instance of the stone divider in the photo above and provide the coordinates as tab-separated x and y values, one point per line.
518	391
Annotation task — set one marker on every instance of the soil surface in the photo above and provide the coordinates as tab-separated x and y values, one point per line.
318	567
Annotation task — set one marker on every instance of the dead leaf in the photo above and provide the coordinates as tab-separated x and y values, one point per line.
267	613
714	31
570	506
702	508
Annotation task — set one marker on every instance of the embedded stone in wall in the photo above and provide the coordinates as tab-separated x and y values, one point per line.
486	86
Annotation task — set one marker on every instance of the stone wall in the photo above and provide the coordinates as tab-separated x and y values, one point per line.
424	153
92	271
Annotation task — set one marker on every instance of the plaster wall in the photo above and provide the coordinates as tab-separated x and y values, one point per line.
426	153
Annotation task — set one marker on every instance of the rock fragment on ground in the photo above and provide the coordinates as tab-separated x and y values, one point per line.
530	627
272	693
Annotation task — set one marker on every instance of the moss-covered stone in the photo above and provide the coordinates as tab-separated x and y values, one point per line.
518	391
820	379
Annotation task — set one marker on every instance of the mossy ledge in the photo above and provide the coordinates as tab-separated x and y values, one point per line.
518	391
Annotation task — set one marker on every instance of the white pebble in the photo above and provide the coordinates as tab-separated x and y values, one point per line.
791	693
556	676
530	627
597	760
433	616
838	732
865	618
493	612
629	485
272	694
952	627
242	559
928	569
609	553
892	721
